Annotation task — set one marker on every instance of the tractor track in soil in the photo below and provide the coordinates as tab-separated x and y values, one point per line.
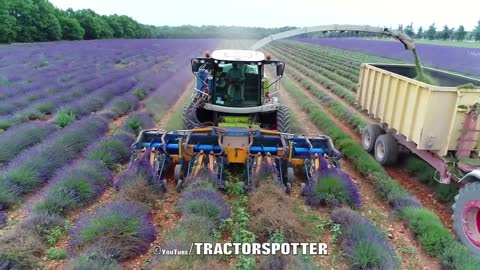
375	208
423	193
166	205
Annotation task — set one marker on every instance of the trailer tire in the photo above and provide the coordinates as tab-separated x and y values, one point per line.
386	149
369	136
302	189
188	121
283	119
179	186
466	216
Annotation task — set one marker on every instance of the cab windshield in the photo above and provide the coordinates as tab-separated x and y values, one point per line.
237	85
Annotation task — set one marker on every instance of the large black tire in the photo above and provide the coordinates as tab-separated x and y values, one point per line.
283	119
468	201
386	149
188	114
369	136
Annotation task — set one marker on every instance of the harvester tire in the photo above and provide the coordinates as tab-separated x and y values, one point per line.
177	173
369	136
283	119
466	216
386	149
188	121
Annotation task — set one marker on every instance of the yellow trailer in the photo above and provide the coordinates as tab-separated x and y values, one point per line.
437	122
430	116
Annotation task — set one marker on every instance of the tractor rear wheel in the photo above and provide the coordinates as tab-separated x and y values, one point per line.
188	114
466	216
369	136
386	149
283	119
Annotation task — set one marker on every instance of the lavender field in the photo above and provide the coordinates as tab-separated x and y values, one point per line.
69	112
458	59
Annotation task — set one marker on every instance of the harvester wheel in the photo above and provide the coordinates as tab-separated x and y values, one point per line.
283	119
179	185
466	216
177	174
188	122
302	189
386	149
369	136
290	175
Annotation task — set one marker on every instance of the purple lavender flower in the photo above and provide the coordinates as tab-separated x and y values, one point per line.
206	203
332	187
3	219
120	229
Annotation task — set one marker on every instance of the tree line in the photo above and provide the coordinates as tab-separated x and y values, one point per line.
431	33
39	20
445	33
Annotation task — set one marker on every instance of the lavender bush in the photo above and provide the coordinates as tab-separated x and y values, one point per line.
120	229
331	187
74	187
138	121
34	167
363	243
205	203
21	137
110	151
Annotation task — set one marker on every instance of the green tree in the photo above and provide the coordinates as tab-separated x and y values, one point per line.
116	26
446	33
409	30
8	25
420	33
460	33
71	28
431	32
476	32
36	20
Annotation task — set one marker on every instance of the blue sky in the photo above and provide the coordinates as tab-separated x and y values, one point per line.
271	13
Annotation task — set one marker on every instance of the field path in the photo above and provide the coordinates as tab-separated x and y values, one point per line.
374	208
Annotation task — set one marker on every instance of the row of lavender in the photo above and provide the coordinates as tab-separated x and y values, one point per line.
459	59
36	97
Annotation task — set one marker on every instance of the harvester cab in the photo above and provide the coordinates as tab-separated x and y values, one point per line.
232	90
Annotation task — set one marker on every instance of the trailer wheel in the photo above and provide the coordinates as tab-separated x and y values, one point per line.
466	216
302	189
283	119
369	136
386	149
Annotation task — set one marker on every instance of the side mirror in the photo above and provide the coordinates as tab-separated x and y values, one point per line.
196	64
280	69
